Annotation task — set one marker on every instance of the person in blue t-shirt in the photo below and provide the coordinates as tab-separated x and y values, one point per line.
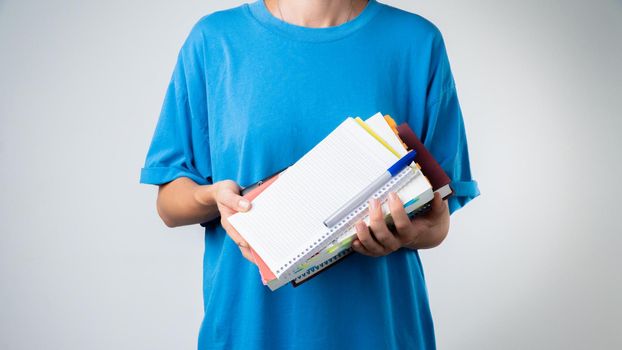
257	86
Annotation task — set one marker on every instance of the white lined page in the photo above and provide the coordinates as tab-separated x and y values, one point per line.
290	213
382	128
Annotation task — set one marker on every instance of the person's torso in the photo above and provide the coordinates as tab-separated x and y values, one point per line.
272	97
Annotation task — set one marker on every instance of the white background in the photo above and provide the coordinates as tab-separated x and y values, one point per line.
85	262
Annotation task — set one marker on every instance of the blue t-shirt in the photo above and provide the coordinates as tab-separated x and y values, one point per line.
251	94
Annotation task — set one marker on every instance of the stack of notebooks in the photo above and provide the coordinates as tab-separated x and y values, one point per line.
287	228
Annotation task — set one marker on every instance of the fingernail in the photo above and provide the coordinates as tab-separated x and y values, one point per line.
394	196
372	204
244	204
243	244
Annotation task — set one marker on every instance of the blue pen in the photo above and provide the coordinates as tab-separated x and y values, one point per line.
370	189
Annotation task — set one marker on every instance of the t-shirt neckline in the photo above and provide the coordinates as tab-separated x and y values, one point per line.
261	13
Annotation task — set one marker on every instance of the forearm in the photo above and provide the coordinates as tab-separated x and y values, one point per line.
178	203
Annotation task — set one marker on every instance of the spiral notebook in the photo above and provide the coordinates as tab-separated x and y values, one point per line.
336	250
285	226
415	195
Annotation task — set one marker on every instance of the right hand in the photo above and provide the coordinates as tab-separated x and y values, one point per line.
227	196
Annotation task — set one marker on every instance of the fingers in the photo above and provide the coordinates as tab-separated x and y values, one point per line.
228	195
237	239
225	192
233	233
365	243
235	236
246	253
436	204
358	247
378	226
377	239
401	221
439	206
438	209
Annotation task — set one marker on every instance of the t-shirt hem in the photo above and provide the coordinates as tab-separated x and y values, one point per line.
162	175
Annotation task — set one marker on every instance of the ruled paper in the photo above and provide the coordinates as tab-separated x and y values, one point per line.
289	214
382	128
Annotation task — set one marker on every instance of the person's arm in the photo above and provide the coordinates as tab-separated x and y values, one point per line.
184	202
179	158
422	232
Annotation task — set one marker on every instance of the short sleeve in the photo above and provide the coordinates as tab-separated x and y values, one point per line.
444	133
180	143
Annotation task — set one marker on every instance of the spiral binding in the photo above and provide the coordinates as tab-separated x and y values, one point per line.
396	182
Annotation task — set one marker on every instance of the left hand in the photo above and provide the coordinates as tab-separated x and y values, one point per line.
423	231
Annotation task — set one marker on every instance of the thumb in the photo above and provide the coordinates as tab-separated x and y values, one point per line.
233	200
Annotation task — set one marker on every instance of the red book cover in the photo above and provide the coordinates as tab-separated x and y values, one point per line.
429	166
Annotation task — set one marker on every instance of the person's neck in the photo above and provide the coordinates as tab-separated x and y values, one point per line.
316	13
